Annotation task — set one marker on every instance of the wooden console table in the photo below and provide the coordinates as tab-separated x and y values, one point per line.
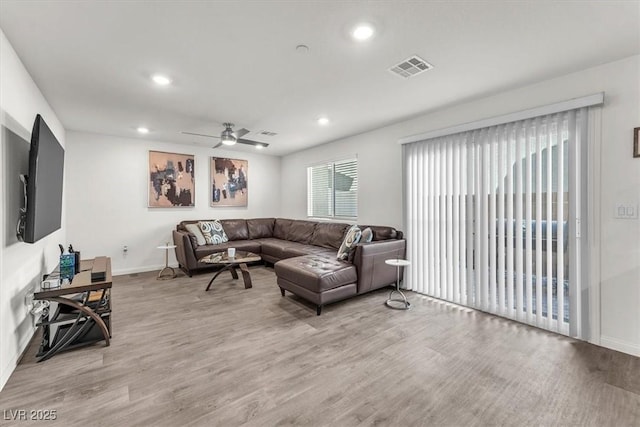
83	314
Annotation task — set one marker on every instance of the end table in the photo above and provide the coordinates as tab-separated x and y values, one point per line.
398	304
161	274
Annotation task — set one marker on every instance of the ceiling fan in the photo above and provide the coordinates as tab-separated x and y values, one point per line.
229	137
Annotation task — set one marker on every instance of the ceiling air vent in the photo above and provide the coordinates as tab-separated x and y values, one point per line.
267	133
410	67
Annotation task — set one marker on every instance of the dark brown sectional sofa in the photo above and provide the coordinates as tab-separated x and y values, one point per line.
304	254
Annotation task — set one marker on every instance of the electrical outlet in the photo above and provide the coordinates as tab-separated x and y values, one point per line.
626	211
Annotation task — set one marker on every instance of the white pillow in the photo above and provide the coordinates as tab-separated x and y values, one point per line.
213	232
349	243
195	230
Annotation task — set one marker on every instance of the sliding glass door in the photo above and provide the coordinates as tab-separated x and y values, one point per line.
493	218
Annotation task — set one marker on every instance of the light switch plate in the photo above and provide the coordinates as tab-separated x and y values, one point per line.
626	211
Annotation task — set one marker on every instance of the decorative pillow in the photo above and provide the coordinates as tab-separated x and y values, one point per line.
213	232
349	243
367	235
195	230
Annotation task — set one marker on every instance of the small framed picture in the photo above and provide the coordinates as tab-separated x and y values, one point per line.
636	142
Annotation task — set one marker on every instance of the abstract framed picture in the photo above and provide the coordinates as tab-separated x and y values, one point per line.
636	142
171	180
229	183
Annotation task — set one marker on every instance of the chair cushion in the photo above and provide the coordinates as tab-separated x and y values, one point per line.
213	232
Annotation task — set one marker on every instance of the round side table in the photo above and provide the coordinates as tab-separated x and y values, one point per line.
398	304
161	274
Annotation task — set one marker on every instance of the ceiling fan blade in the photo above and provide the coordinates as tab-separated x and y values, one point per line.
241	132
217	145
254	143
200	134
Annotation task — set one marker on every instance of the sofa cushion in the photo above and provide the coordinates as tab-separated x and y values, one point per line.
283	249
236	229
194	229
349	243
260	227
301	231
329	234
316	273
281	228
213	232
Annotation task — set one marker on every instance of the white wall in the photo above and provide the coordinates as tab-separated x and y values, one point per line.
380	177
107	181
21	264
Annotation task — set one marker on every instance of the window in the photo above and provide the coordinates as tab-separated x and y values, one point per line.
332	189
488	215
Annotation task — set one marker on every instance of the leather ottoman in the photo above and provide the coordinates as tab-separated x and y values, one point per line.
317	279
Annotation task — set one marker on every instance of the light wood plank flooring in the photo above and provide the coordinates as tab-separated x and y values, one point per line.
230	356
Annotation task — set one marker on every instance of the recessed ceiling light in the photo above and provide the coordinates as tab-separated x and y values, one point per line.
362	32
323	121
142	129
161	80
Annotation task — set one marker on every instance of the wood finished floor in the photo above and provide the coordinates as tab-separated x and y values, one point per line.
183	357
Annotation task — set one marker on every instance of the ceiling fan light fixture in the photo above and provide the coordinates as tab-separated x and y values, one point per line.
228	137
259	146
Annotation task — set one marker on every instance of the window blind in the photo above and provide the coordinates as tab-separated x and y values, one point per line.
491	215
332	189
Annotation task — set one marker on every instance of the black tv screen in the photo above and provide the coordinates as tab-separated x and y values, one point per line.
44	183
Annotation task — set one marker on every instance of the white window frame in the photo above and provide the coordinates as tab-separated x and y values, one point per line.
332	193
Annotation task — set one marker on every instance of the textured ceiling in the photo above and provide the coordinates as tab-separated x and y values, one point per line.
236	61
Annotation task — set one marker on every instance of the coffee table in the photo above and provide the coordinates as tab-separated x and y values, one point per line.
240	260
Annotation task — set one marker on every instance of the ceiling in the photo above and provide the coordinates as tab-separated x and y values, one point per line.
237	60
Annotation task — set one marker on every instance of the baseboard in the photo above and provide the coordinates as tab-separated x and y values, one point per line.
8	369
142	269
620	345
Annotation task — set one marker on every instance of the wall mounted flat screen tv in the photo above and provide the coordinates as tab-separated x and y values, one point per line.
43	204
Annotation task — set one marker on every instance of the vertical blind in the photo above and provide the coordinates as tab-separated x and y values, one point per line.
489	223
332	189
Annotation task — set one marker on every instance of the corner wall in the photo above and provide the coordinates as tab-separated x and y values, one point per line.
380	177
107	180
21	264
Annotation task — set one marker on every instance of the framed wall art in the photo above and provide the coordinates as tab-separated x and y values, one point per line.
636	142
171	180
229	183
